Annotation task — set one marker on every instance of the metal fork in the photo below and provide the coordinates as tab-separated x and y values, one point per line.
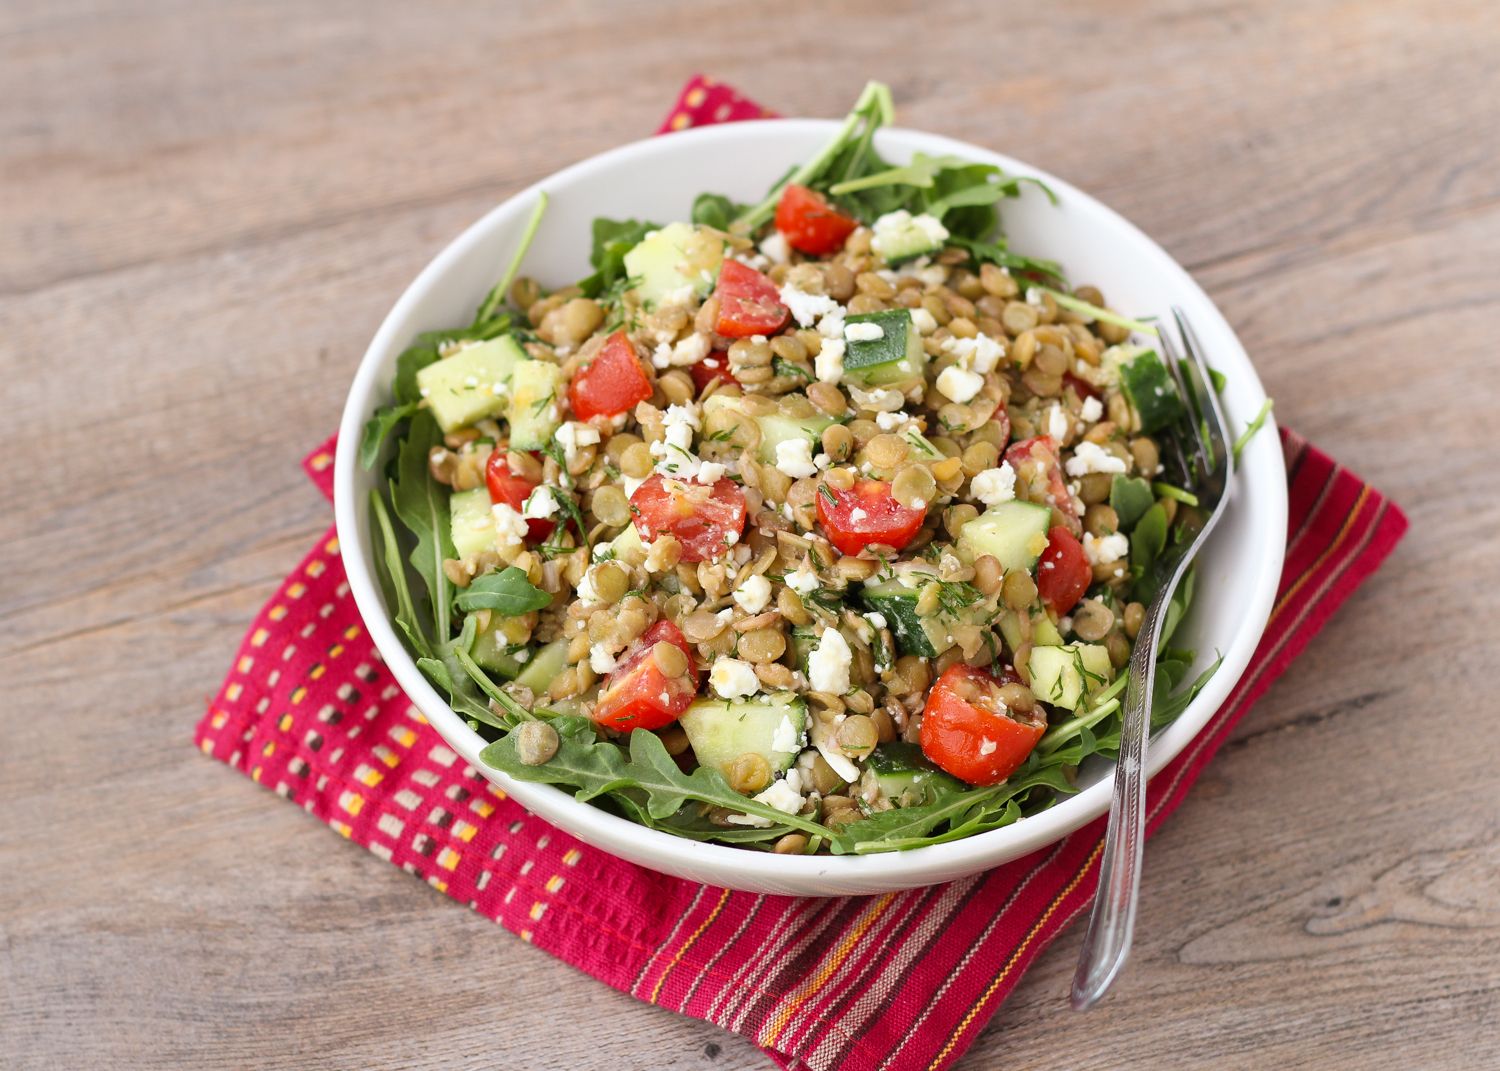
1200	448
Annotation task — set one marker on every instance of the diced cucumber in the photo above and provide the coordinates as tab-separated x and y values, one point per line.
471	384
900	236
1130	497
905	775
925	637
677	256
471	522
895	357
776	429
804	643
1015	533
628	547
921	448
544	666
720	731
1065	676
493	652
1043	631
536	392
1147	385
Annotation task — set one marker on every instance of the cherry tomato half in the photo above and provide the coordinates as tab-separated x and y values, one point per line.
611	383
866	513
1039	457
714	366
505	486
707	521
810	223
970	733
637	694
749	303
1063	574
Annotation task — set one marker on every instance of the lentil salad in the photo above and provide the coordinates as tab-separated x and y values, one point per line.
821	524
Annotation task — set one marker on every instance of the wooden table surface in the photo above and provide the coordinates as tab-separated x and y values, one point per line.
205	209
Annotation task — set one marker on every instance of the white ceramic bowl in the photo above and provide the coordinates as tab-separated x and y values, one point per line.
658	179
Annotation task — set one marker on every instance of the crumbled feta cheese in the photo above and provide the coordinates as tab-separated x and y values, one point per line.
510	527
934	276
863	332
802	580
775	249
806	308
828	365
753	595
587	594
781	796
828	665
573	435
890	227
980	353
600	660
631	483
987	746
1105	550
891	421
540	504
1091	457
919	503
837	762
1058	424
831	324
1093	409
786	737
683	295
710	472
733	679
794	457
876	619
1034	297
856	515
958	383
923	321
881	400
994	486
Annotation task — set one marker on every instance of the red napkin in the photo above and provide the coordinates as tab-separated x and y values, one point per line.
905	980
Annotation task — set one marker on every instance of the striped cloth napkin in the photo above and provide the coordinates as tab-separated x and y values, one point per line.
905	980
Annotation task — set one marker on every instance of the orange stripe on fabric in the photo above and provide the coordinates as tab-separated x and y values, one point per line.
841	953
676	959
1015	957
1307	574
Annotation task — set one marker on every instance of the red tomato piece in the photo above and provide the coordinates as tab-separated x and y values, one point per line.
611	383
1039	455
810	223
970	733
866	513
512	490
1063	574
714	366
749	303
707	521
637	694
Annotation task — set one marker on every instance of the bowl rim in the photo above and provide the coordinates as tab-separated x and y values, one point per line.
739	867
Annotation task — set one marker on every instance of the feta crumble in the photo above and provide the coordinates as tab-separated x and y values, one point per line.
753	595
572	436
863	332
828	365
806	308
994	486
1093	409
510	527
802	580
1105	550
775	248
786	737
1058	424
733	679
923	321
958	383
1091	457
600	660
794	457
828	665
891	421
539	505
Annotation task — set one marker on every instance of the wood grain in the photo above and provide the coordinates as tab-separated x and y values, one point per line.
207	208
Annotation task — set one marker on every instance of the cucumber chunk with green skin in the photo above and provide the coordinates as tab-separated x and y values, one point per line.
678	256
895	357
544	666
537	389
925	637
905	775
1067	675
901	239
472	384
1043	631
1014	533
1130	497
471	523
492	651
720	730
1149	389
776	429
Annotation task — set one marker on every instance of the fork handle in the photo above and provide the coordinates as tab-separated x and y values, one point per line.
1106	944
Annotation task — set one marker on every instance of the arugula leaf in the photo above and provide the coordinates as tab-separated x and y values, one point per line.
1252	427
612	240
715	210
381	424
460	692
392	571
498	291
996	252
422	505
1129	497
507	592
1146	544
